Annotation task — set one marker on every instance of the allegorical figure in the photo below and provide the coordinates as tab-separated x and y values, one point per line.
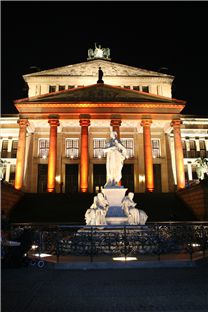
201	167
135	216
116	154
100	75
96	214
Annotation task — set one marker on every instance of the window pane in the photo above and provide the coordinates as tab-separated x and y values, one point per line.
52	89
61	88
72	148
98	148
145	88
129	145
4	149
43	148
14	149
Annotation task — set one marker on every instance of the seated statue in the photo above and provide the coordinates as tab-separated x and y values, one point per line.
96	214
201	168
135	216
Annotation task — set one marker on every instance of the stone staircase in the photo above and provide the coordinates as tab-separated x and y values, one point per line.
64	208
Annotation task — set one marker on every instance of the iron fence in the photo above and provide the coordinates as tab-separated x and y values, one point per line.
157	239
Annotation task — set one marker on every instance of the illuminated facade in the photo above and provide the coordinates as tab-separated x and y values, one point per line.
56	142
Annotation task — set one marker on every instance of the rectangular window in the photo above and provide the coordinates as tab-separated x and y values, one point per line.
192	149
155	148
4	149
136	88
72	148
129	145
127	87
61	88
98	148
145	89
12	174
185	153
52	89
14	149
70	87
43	148
202	148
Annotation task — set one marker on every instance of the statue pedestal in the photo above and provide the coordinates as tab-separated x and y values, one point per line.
115	215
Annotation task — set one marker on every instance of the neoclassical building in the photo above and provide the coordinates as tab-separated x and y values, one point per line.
56	142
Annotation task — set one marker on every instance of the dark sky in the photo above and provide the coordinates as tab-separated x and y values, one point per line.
145	34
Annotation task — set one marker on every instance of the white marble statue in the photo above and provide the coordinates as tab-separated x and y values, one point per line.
201	168
96	214
98	52
116	154
135	216
2	169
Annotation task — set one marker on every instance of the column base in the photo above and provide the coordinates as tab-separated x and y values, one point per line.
84	190
51	190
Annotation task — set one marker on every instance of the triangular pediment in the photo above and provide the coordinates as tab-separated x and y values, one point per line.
101	93
90	68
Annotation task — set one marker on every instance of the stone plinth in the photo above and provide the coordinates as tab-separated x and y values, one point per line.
114	196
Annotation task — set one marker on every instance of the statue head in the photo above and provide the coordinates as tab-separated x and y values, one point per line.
131	195
113	134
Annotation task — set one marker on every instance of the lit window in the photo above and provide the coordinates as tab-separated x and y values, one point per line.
129	145
155	148
4	149
98	148
185	153
145	89
52	89
72	148
12	174
61	88
192	152
43	148
14	149
202	148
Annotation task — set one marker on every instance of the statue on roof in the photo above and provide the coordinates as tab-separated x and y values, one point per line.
99	52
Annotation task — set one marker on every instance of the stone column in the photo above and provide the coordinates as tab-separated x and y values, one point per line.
116	123
176	124
84	161
20	162
149	177
52	156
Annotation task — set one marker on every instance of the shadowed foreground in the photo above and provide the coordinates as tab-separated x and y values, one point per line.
30	289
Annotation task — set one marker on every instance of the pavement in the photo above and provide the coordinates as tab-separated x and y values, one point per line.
29	289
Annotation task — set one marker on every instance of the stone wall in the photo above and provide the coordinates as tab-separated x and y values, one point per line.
9	197
196	197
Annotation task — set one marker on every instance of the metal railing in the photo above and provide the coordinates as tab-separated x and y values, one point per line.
90	242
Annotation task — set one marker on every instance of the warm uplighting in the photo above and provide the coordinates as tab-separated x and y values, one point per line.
58	179
124	258
141	178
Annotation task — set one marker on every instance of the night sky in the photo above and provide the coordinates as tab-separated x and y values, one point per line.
170	37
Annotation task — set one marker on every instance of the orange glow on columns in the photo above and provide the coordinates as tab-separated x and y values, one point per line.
178	154
84	161
52	156
149	177
20	154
